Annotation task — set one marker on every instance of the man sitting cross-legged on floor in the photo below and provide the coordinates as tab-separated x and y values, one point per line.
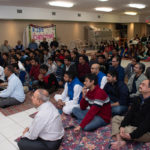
47	80
71	95
136	124
14	93
46	130
99	113
118	93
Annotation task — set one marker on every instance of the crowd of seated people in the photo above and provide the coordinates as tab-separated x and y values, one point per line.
94	90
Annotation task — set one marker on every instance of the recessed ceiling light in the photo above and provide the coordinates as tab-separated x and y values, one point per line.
139	6
61	4
105	9
103	0
130	13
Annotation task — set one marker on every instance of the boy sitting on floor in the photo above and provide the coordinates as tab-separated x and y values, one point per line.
99	113
71	95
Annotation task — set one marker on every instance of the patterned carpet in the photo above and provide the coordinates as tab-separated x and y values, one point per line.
97	140
18	108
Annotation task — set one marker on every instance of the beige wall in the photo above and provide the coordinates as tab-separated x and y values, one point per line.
130	31
12	30
136	28
140	29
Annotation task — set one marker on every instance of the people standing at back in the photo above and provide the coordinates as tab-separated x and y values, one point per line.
19	46
33	45
5	48
44	44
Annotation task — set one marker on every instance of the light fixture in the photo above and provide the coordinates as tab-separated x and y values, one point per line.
61	4
130	13
105	9
139	6
103	0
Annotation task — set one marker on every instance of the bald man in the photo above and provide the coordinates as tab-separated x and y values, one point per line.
102	79
46	130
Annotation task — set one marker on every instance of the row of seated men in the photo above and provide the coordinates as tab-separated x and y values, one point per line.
50	76
92	112
92	104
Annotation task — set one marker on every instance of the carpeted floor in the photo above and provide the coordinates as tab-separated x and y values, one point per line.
18	108
26	105
97	140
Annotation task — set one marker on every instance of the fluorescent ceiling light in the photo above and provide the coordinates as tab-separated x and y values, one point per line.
105	9
103	0
130	13
61	4
139	6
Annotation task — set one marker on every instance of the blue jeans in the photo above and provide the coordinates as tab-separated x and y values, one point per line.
119	110
94	124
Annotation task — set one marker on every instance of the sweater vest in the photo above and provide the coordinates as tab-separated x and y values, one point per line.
71	86
100	76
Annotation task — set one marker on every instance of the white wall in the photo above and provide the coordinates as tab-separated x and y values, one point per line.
29	13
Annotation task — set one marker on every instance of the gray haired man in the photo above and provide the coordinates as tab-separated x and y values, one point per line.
46	130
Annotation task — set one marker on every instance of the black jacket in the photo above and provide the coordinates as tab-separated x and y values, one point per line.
118	92
72	68
138	116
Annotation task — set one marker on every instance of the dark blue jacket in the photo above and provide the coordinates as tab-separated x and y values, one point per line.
118	92
120	71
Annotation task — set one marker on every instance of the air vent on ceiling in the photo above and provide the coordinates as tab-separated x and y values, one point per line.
79	15
53	13
19	11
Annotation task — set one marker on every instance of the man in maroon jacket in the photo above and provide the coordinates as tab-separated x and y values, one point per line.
83	68
99	113
34	72
35	69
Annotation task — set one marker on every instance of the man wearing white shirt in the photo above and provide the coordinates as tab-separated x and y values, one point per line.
14	93
46	131
71	95
102	79
2	75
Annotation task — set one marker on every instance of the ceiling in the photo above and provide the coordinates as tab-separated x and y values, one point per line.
119	6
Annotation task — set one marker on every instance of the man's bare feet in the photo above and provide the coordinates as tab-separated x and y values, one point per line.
118	144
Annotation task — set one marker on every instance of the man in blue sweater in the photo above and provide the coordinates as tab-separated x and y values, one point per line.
71	95
118	93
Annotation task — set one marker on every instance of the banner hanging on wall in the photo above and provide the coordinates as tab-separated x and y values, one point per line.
38	33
